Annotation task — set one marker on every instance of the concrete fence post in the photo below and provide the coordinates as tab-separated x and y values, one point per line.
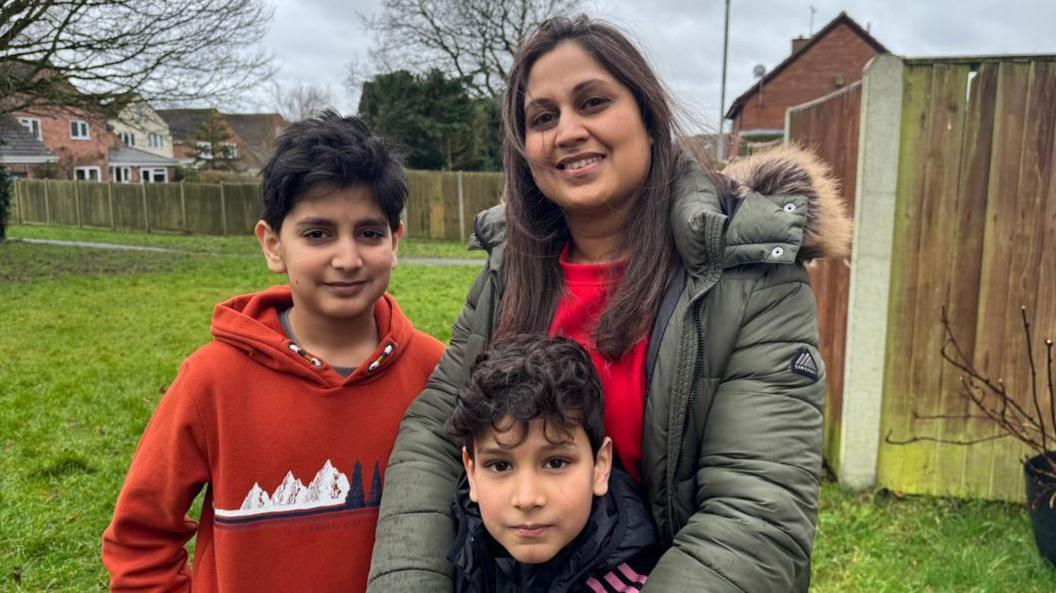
461	210
223	209
874	220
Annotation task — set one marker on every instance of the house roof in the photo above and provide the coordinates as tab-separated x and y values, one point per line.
843	19
184	123
256	128
126	156
19	146
258	132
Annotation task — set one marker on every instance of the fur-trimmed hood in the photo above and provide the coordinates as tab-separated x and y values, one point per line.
791	170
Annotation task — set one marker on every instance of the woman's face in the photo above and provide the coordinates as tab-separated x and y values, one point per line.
586	144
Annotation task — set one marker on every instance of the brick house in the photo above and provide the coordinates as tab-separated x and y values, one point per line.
833	58
190	147
21	151
144	153
78	137
258	132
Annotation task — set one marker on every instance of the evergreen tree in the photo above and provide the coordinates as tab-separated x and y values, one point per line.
355	497
375	487
220	152
426	114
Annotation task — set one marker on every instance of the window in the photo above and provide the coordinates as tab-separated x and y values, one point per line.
153	175
128	138
33	125
155	140
86	173
205	150
121	174
79	130
230	150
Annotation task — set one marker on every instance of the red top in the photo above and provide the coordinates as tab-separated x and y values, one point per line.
622	380
291	455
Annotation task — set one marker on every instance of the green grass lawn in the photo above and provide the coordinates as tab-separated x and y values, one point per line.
91	338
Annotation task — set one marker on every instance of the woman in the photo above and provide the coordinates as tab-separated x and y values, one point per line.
689	291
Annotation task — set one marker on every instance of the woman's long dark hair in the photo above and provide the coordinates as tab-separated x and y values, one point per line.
536	227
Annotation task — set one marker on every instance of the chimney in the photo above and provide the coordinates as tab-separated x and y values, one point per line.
799	42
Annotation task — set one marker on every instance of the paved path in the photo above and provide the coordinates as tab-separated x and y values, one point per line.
424	261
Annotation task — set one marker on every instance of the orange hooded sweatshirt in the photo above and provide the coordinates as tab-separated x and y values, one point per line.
290	452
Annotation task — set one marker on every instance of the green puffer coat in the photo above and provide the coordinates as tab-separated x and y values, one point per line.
733	419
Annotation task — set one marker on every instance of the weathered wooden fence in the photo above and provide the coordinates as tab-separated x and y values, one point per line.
975	230
441	205
812	125
955	206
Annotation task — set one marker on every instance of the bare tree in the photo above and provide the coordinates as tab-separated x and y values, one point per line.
474	40
109	52
300	101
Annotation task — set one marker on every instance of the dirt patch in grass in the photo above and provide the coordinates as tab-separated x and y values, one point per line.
26	262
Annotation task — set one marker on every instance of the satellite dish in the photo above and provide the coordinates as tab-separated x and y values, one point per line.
759	70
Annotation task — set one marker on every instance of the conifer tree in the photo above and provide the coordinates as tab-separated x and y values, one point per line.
375	487
355	498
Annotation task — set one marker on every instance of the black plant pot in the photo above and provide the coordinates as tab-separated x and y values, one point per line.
1040	491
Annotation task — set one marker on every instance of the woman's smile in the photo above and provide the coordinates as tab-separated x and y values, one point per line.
584	136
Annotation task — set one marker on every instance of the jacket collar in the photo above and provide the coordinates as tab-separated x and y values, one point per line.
719	227
618	529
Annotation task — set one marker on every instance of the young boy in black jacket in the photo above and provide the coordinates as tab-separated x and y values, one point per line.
541	508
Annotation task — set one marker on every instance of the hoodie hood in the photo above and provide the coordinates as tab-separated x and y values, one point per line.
619	529
779	206
251	323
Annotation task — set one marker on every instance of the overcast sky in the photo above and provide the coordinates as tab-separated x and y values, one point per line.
314	40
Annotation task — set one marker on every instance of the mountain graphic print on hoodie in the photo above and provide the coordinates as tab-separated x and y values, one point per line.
290	453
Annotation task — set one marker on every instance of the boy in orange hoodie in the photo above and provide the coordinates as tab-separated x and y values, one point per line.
288	416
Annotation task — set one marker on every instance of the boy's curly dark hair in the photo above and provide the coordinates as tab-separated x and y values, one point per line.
526	377
331	151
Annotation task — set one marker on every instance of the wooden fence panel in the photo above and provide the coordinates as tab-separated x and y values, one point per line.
94	204
203	208
974	222
128	207
163	206
830	127
33	202
432	209
62	202
242	201
482	191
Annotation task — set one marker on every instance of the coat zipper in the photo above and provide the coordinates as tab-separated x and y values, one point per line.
492	287
694	386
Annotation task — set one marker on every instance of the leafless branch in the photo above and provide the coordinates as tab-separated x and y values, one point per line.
108	52
474	40
991	400
301	101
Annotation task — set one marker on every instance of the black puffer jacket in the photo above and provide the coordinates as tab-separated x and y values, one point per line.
617	545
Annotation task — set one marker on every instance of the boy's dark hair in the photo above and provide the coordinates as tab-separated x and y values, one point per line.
526	377
331	151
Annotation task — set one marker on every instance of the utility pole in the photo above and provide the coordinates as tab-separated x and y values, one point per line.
812	11
721	152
